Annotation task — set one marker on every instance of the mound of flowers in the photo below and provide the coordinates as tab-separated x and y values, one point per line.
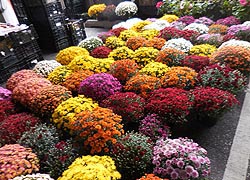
45	67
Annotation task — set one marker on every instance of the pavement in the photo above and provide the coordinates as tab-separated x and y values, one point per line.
227	142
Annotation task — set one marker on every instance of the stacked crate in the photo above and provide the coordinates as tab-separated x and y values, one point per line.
75	7
18	50
49	21
76	31
20	11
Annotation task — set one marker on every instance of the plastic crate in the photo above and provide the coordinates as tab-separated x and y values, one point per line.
62	44
8	60
54	8
35	3
26	50
76	31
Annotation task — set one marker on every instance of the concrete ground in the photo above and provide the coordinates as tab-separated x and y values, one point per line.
227	142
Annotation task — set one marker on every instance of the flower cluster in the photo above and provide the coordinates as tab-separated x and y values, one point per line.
36	176
156	43
236	57
59	74
99	86
195	62
43	68
66	112
212	39
132	154
150	33
212	102
179	43
20	76
153	127
90	43
54	155
126	8
172	32
17	160
235	42
66	55
180	159
155	69
126	34
200	28
117	31
122	53
170	18
136	42
170	56
138	27
104	35
91	167
163	102
202	50
222	77
233	30
157	24
151	177
204	20
48	98
228	21
5	94
28	89
145	55
13	126
101	52
186	19
98	129
128	105
73	81
123	70
95	9
217	29
7	107
114	42
180	77
142	84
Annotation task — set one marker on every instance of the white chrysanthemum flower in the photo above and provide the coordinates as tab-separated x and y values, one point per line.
246	23
127	24
126	8
37	176
91	43
178	43
234	42
45	67
201	28
158	25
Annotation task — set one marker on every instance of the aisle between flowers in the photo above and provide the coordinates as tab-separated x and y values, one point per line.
110	108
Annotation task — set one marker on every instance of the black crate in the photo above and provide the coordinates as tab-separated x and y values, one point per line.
57	21
53	8
23	51
7	60
62	44
76	31
35	3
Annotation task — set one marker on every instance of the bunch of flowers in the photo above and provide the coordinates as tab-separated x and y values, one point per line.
236	57
186	19
13	126
5	94
43	68
95	9
73	81
126	9
212	39
122	53
36	176
90	43
170	18
217	29
117	31
100	86
204	20
157	24
228	21
84	62
222	77
164	103
156	43
20	76
138	27
243	34
126	34
98	129
66	55
151	177
142	84
65	113
126	104
28	89
59	74
123	70
136	42
235	42
132	154
155	69
211	102
200	28
229	37
91	167
114	42
172	32
246	23
145	55
104	35
101	52
48	98
233	30
180	159
178	25
180	77
108	13
54	155
17	160
203	50
153	127
195	62
150	33
170	56
179	43
7	107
